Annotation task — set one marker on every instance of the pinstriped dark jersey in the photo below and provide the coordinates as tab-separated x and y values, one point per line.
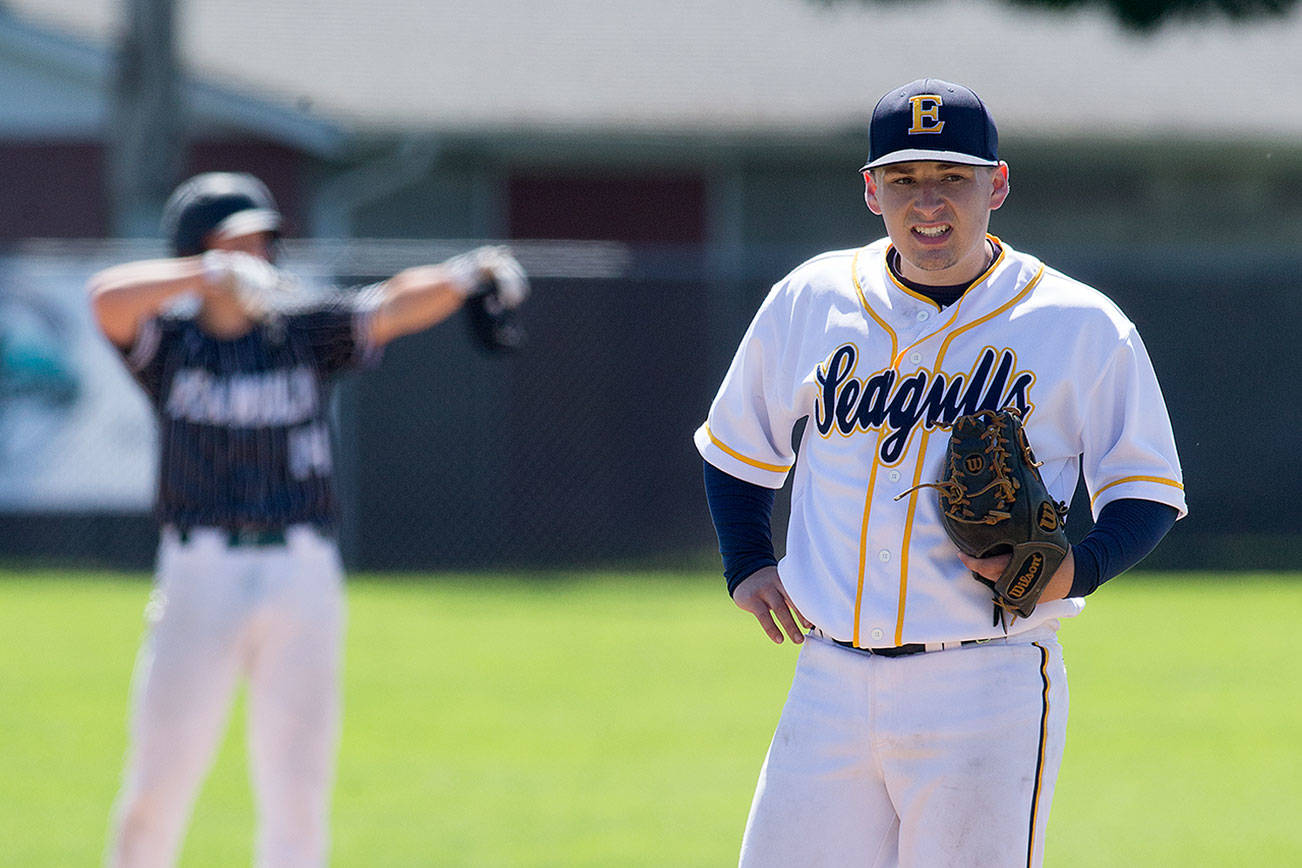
244	437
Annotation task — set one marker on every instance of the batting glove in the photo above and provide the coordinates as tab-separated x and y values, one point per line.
262	289
480	270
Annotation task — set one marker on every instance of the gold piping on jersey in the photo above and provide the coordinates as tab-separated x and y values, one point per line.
998	245
922	450
1160	480
863	299
775	468
905	289
1039	758
877	447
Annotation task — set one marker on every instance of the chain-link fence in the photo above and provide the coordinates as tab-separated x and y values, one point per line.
577	450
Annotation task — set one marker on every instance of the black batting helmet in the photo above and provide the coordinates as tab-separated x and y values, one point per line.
234	203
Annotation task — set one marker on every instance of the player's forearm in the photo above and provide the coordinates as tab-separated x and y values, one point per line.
1059	587
415	299
125	295
1126	532
742	515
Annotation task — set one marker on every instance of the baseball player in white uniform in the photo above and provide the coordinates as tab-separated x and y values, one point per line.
922	727
249	584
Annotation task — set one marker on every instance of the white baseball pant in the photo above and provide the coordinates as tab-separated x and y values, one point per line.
273	615
943	758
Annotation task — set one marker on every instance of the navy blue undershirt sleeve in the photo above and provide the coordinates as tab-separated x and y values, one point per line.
1127	530
742	513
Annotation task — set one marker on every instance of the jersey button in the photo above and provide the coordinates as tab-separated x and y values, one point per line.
924	315
893	476
915	357
877	633
883	556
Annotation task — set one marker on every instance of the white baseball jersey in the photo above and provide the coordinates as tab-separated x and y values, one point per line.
879	370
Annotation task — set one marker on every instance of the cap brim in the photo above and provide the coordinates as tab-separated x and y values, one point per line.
919	154
248	222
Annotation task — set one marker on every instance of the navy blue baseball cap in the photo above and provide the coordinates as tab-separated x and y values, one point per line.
930	119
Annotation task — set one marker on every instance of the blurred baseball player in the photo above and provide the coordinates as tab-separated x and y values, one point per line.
922	727
249	581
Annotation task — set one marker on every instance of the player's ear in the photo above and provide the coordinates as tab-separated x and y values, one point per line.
999	185
870	192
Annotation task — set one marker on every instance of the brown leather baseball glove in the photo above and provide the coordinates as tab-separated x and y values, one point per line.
993	501
494	327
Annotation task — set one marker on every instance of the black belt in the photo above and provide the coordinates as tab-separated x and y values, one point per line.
914	648
244	537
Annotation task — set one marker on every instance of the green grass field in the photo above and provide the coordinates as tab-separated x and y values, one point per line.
621	720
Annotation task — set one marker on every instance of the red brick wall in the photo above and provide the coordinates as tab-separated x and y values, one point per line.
280	168
635	208
57	189
52	190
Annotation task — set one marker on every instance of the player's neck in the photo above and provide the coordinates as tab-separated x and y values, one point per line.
963	272
943	294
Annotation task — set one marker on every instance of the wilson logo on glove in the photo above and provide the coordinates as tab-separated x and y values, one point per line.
1026	578
1048	517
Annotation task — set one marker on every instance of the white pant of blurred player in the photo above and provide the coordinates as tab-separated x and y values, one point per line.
271	614
943	758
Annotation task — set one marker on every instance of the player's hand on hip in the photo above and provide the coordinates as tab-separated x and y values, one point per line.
993	567
761	593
